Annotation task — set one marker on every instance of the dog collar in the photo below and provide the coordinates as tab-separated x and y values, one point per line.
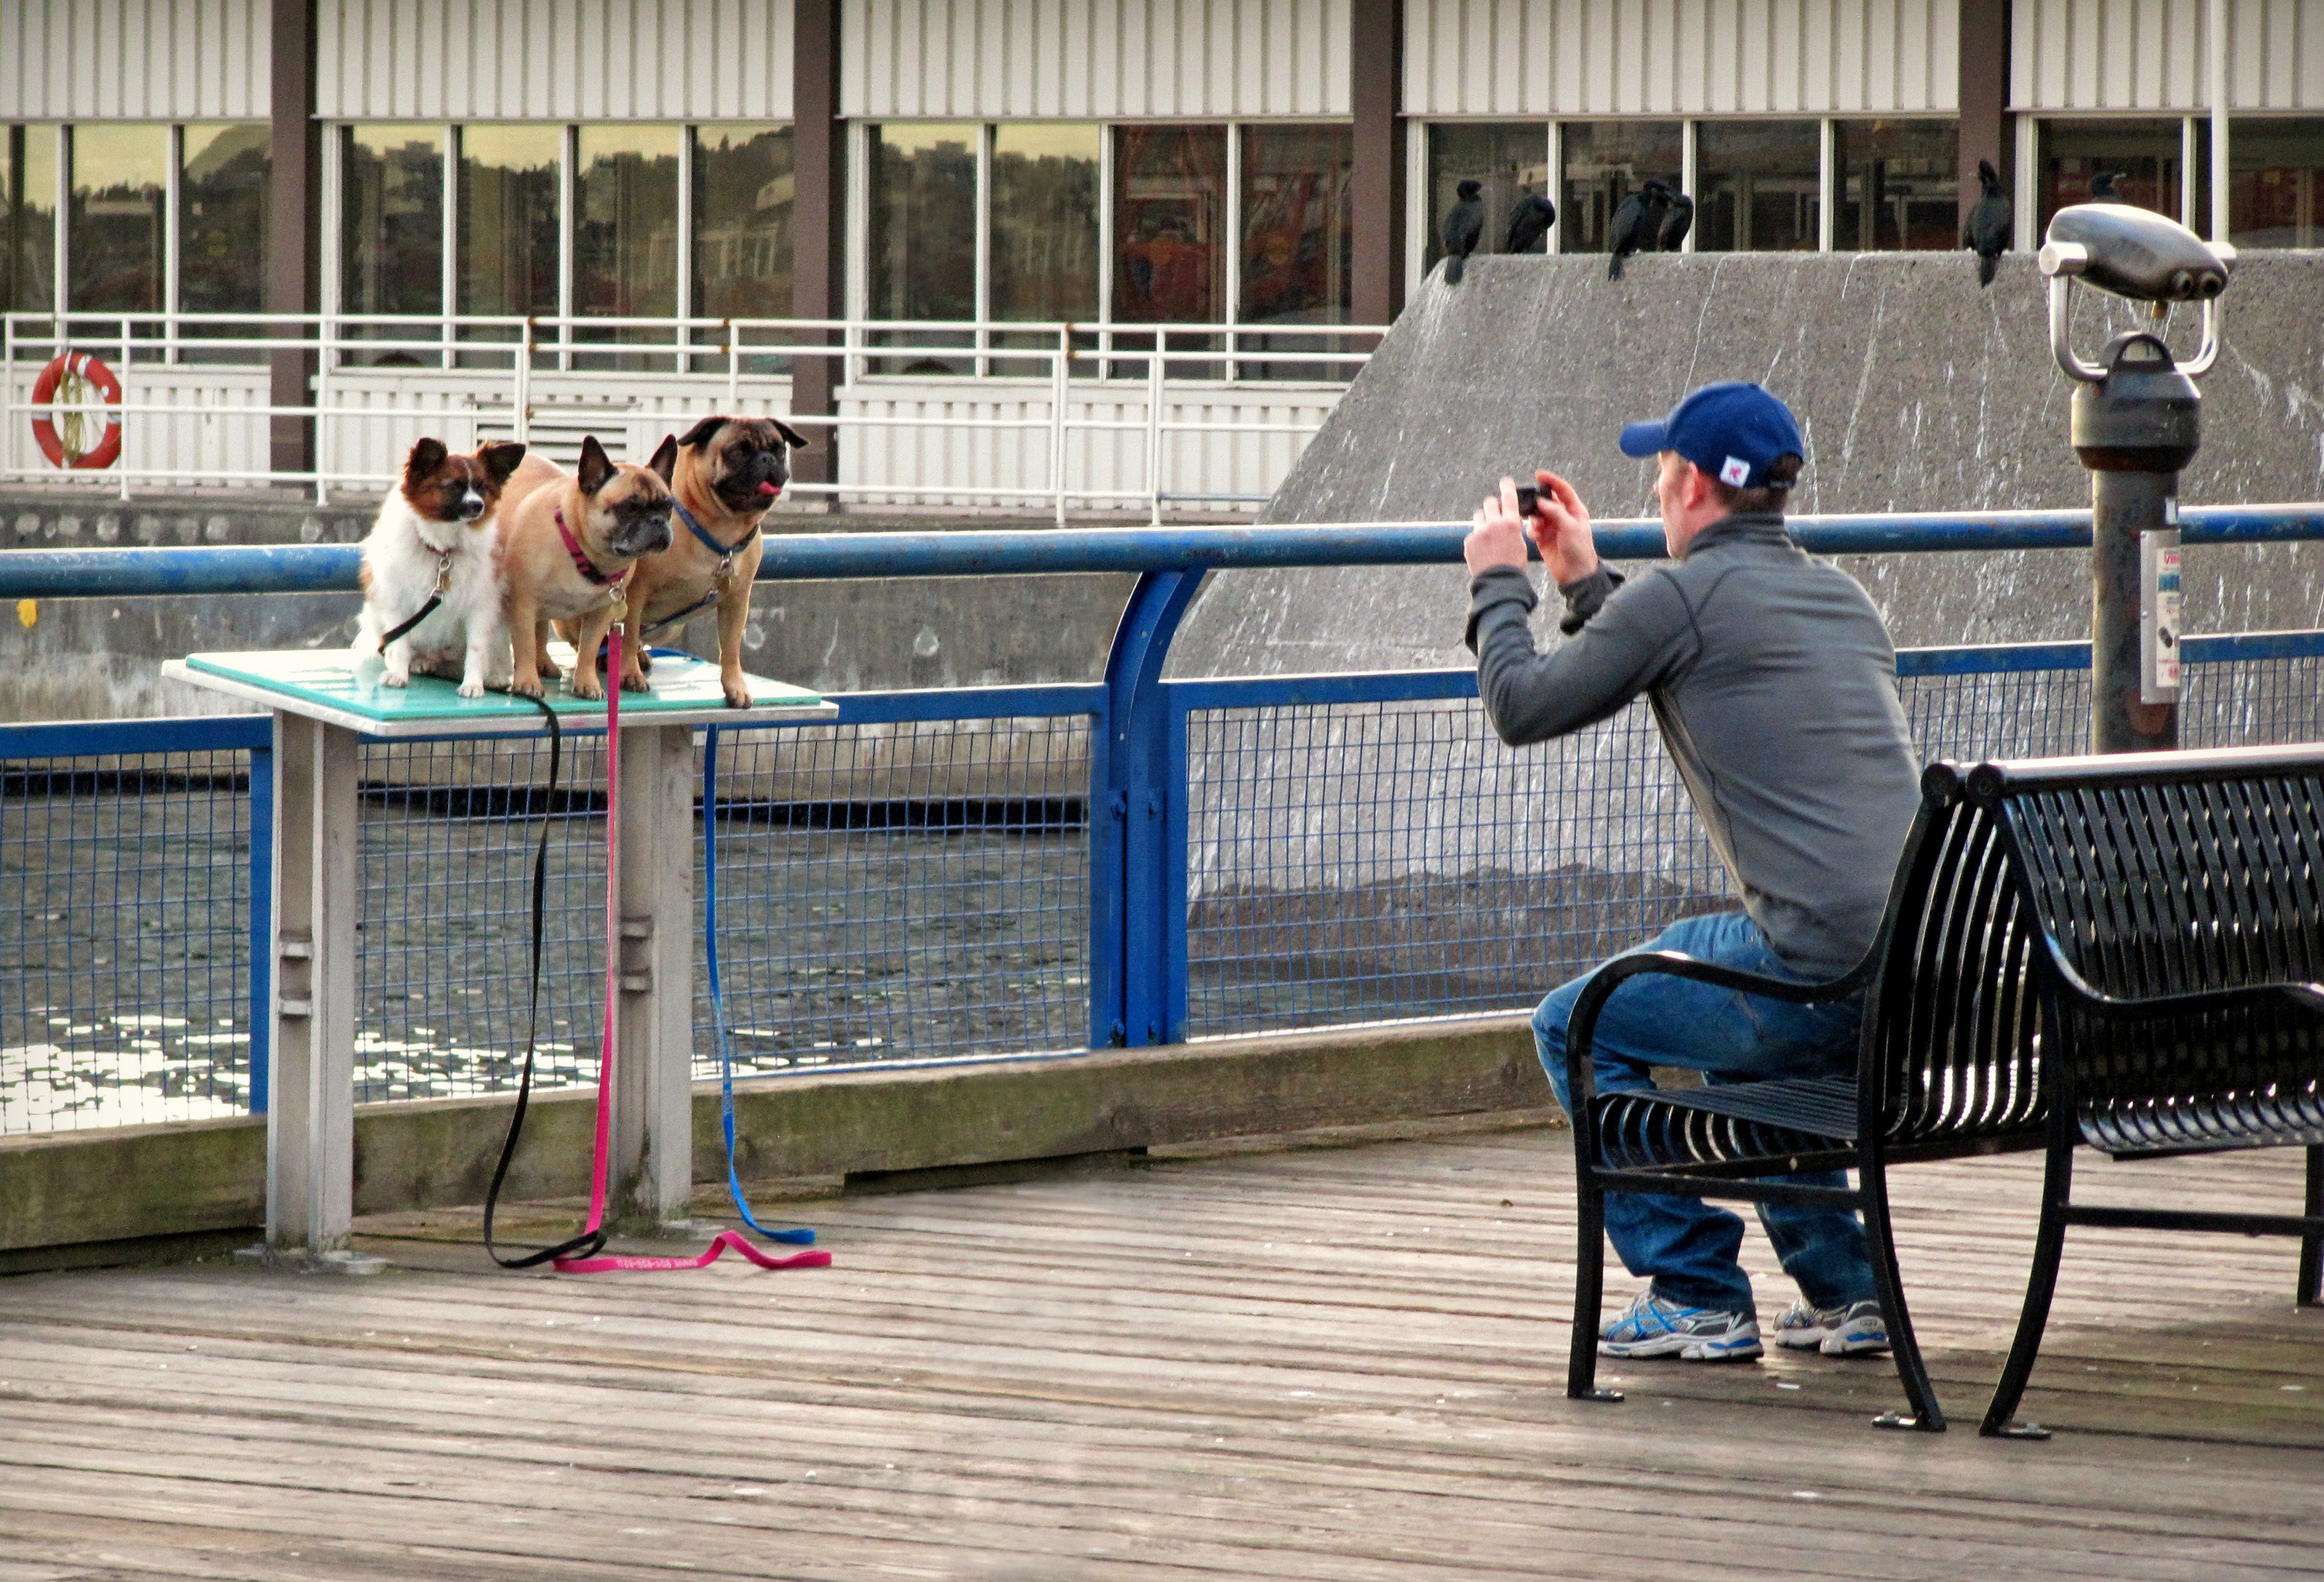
581	561
724	552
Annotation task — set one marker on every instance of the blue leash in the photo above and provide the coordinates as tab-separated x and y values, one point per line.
717	1000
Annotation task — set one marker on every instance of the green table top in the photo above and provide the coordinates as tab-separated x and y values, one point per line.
333	685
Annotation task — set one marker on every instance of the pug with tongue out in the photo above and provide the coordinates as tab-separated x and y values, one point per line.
729	472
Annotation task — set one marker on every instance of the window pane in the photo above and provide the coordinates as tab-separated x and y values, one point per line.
1605	162
508	219
1045	227
1169	222
2276	168
222	209
2145	154
1511	158
625	233
1758	186
1896	185
923	241
742	246
120	181
391	230
1298	240
28	224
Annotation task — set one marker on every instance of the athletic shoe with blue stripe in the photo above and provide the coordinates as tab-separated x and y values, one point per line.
1849	1329
1652	1327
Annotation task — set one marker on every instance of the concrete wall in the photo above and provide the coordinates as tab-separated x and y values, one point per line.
100	659
1916	390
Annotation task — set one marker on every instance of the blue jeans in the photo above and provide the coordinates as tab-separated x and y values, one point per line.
1683	1243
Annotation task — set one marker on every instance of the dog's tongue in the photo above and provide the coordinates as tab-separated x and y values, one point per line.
767	490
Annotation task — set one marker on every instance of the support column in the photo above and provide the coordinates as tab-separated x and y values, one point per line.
653	1052
1985	125
818	221
310	1117
293	241
1376	95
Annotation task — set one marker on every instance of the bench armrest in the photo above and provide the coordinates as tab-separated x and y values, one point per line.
2192	1002
1582	1030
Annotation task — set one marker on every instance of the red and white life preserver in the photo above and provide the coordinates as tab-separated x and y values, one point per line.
74	374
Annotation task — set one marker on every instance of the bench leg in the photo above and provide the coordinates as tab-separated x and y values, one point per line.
2041	1285
1912	1372
1589	1287
2311	1248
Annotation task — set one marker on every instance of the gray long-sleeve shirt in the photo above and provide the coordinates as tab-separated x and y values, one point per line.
1774	683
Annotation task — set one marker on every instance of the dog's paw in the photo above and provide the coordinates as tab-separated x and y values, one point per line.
636	684
396	677
587	689
645	661
472	689
738	696
524	688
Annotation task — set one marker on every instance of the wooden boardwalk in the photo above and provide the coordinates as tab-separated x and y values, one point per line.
1340	1363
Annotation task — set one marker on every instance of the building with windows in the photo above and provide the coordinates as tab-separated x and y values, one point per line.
657	184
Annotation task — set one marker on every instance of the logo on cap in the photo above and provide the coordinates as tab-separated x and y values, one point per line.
1734	472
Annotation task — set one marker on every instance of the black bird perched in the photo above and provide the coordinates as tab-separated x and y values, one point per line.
1676	223
2102	187
1989	223
1637	220
1464	226
1529	221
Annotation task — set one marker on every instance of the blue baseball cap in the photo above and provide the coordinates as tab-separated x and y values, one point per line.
1732	431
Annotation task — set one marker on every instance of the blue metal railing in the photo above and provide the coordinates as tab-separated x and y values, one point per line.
980	872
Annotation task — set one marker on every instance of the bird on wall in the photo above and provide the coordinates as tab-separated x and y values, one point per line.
1638	222
1676	223
1464	226
1990	221
2102	187
1529	221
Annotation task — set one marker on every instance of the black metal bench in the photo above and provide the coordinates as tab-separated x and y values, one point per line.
1947	1067
2179	899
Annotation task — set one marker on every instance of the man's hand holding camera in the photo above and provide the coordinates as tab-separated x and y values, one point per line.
1553	516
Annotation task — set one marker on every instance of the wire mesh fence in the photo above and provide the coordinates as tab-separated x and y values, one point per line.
918	889
908	891
125	940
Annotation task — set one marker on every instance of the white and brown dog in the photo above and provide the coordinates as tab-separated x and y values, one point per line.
569	550
729	472
437	538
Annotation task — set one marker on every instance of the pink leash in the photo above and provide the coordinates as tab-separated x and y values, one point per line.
601	1158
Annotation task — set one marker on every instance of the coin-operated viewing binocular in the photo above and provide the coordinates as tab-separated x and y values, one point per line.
2136	423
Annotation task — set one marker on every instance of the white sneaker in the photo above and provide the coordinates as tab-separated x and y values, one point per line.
1848	1330
1651	1327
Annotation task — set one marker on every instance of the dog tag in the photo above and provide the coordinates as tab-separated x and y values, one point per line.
621	608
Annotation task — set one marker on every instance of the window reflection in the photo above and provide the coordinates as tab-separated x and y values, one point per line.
1298	241
508	229
120	180
1511	158
2144	155
744	185
1895	185
391	230
923	239
1169	223
28	220
222	216
1606	161
2275	168
1045	230
625	233
1758	186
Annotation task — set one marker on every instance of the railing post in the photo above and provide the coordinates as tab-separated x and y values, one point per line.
524	384
1058	420
1153	429
261	926
1132	792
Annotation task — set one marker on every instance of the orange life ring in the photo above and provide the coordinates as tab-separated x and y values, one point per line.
73	371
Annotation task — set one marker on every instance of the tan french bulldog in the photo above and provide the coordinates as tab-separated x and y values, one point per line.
569	547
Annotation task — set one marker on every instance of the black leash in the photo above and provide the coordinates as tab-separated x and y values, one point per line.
443	582
589	1242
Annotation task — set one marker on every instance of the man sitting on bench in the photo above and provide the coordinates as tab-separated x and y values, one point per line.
1774	682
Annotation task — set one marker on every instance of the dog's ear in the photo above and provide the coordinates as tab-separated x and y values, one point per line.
702	433
425	458
596	468
500	460
791	436
664	458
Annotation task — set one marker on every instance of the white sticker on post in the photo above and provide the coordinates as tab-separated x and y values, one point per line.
2158	617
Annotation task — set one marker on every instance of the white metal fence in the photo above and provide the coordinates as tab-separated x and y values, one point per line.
1022	416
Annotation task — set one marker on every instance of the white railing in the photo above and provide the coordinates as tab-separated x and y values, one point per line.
1010	414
